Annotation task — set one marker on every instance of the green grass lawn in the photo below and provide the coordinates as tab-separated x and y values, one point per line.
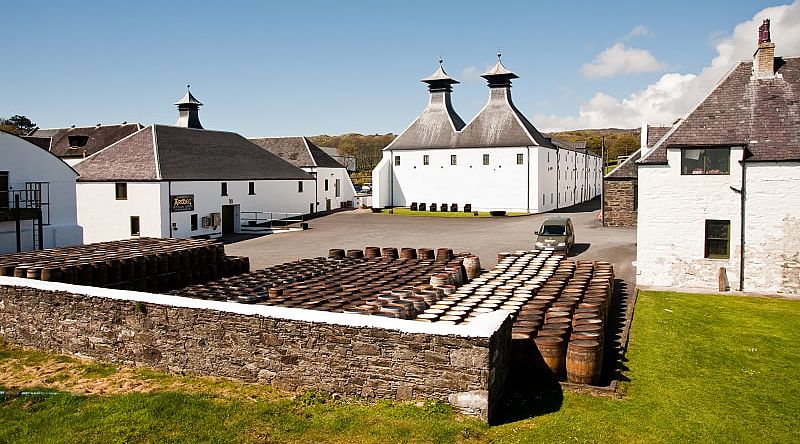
701	369
407	212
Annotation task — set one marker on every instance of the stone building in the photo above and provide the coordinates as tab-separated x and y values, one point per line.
186	181
37	198
333	188
620	186
497	161
718	193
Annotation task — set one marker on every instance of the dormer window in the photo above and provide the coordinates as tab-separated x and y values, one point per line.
78	141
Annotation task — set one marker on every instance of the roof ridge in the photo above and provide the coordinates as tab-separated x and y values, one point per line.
155	154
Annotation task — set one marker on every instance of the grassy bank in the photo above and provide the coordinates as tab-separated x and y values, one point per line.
407	212
700	369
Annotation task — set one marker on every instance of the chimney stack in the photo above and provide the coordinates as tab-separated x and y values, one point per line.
764	58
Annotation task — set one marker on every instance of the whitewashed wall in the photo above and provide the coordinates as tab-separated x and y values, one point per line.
673	209
27	162
271	196
772	227
105	218
346	191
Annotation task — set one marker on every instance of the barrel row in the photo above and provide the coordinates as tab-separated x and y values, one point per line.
145	264
387	282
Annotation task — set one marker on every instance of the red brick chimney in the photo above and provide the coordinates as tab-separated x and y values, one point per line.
764	58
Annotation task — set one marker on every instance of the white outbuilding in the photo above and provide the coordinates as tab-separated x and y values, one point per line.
497	161
333	188
37	198
718	201
185	181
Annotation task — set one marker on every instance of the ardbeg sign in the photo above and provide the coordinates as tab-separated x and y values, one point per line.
182	202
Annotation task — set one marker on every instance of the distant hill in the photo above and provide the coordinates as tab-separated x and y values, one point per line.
367	148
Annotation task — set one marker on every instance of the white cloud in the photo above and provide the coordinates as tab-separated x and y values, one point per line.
619	59
675	94
639	31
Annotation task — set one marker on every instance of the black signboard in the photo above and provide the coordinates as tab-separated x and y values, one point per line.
182	202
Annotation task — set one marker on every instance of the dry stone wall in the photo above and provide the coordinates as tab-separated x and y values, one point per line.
469	370
619	203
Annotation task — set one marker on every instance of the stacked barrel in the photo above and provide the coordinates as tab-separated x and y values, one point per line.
145	264
391	282
559	306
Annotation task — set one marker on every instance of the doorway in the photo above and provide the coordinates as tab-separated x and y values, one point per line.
228	219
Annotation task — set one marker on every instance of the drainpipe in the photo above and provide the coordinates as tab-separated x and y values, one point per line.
558	174
169	206
391	179
742	195
528	175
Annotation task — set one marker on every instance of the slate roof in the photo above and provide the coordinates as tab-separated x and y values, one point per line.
761	114
99	137
160	152
628	169
299	151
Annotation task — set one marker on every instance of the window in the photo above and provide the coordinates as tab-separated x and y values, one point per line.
486	159
426	159
337	186
194	222
705	161
122	190
397	160
635	196
223	188
135	226
453	159
77	141
520	159
251	188
299	186
718	239
4	198
326	184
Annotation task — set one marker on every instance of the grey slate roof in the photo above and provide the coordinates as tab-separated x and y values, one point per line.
628	169
500	124
161	152
299	151
188	99
436	127
99	138
761	114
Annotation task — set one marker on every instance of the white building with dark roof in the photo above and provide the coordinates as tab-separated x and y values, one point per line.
497	161
333	188
184	181
718	193
37	198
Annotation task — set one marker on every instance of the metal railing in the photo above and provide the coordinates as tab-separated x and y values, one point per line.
31	195
254	220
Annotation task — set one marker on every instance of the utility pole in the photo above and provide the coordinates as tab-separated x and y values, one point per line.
602	180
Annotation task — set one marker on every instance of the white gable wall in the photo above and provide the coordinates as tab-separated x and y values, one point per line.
346	190
772	227
673	209
26	162
105	218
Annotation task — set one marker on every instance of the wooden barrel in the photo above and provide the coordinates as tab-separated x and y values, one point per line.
99	274
51	273
372	252
444	254
551	349
584	361
7	269
355	254
425	254
21	270
336	253
390	253
408	253
473	266
34	272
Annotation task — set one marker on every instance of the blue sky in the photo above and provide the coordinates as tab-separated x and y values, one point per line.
313	67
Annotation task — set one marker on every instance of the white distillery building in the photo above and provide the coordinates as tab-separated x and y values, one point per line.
719	190
498	161
333	188
185	181
37	198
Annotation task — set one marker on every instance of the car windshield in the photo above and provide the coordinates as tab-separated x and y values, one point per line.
552	230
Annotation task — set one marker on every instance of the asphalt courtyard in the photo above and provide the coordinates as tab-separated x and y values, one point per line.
483	236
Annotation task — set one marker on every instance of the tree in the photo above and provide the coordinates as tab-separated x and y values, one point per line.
623	145
17	124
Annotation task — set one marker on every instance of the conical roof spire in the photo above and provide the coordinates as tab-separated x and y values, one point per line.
499	76
439	80
188	110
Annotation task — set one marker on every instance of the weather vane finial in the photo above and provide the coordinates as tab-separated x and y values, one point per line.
499	54
440	60
188	86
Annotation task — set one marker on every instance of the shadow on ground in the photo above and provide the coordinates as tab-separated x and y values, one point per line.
583	207
578	248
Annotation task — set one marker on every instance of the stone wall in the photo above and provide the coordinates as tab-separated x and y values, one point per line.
619	200
333	352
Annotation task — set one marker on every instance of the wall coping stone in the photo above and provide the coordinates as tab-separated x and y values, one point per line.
482	326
